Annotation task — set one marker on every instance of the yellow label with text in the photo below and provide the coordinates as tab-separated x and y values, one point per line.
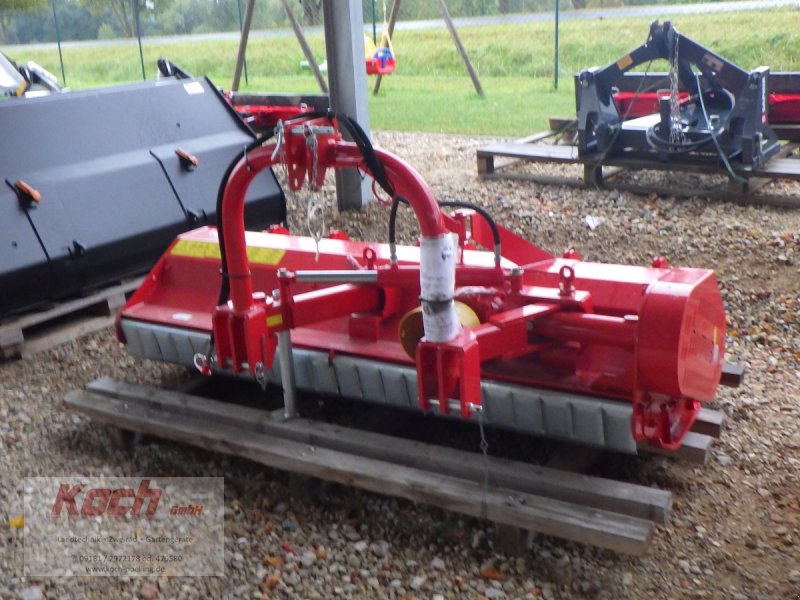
203	249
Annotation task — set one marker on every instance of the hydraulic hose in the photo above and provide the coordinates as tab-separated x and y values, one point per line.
446	203
225	289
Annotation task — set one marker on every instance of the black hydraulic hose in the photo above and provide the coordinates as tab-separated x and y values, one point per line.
482	212
225	287
392	221
722	155
447	204
662	145
364	144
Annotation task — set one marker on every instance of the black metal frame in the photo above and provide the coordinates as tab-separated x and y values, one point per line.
724	118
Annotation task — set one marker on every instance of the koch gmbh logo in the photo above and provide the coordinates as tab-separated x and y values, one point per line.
78	500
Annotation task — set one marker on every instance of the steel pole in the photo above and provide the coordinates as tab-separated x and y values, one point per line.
555	65
285	355
374	28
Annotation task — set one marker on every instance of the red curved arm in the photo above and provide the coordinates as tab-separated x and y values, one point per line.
336	154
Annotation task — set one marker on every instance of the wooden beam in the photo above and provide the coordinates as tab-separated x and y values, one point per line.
301	38
248	20
543	515
606	494
460	47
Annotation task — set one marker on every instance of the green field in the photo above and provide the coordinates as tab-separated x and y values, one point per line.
430	90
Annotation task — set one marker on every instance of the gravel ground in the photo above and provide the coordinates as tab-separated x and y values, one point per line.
735	530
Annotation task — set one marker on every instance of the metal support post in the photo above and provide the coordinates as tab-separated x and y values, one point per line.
347	80
555	65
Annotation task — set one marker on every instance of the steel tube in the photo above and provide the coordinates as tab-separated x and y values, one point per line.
343	276
233	224
287	374
588	328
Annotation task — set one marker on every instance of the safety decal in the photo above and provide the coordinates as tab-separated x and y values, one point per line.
210	249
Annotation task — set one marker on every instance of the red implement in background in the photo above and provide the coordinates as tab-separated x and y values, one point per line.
783	108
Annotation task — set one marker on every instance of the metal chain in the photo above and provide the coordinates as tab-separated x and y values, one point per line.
280	150
676	135
314	207
311	142
317	234
485	450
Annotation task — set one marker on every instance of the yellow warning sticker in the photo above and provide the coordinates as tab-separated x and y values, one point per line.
624	62
210	249
196	249
264	256
274	320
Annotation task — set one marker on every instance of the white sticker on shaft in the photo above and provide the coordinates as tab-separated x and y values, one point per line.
437	284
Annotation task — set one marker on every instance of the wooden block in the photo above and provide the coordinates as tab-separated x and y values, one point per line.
709	422
485	164
695	449
511	541
732	375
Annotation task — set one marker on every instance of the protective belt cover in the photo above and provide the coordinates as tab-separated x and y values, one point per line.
113	191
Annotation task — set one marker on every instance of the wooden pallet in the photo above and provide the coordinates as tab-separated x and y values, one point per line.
530	150
34	332
558	502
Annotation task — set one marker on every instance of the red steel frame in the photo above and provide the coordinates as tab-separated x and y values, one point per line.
652	336
783	107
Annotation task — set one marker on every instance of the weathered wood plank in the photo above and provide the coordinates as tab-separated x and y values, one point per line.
501	505
606	494
61	334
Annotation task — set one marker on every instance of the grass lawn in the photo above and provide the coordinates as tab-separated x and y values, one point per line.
430	90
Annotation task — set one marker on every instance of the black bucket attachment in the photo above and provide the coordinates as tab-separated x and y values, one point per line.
98	183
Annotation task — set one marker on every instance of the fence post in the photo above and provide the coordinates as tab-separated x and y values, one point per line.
58	41
555	65
374	28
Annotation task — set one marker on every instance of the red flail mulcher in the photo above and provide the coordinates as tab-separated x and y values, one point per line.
474	323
